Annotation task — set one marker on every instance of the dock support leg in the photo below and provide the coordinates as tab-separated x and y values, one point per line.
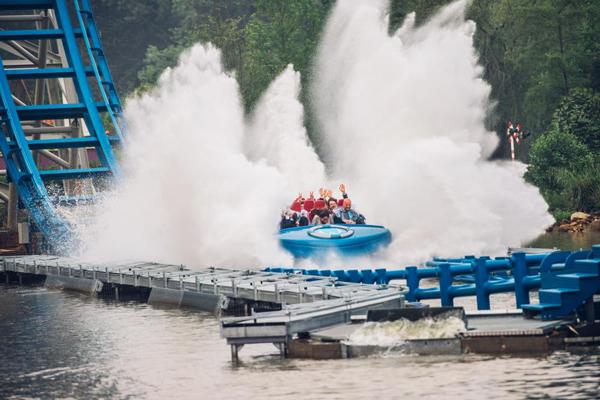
116	293
589	311
235	349
282	349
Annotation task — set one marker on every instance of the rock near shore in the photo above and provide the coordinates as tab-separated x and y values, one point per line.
578	222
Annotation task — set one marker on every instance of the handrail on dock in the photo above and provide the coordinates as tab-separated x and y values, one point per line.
519	273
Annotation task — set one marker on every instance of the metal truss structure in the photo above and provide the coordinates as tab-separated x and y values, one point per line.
59	110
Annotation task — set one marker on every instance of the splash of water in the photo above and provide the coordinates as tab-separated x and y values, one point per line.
402	120
394	333
189	194
276	134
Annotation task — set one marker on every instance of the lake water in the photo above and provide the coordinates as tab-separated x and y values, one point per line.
62	345
567	241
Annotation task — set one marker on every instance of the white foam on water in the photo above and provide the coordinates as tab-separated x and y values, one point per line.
401	119
394	333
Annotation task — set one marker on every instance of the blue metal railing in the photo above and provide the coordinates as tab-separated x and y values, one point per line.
519	273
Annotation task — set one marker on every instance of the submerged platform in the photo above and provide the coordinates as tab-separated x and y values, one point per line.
488	332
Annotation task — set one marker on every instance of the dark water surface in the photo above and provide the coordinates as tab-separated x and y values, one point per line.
62	345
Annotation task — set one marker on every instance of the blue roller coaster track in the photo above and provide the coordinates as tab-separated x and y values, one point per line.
87	67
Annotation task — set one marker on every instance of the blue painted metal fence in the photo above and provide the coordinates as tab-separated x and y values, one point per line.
519	273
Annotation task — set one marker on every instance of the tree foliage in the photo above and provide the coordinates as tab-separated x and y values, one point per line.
535	53
566	171
280	33
553	153
541	58
579	114
127	29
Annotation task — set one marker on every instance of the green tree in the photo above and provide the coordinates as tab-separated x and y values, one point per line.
565	171
127	29
280	32
215	21
579	114
535	53
551	154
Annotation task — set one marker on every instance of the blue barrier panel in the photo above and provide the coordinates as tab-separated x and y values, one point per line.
595	251
353	275
445	285
341	275
412	281
519	272
481	279
381	276
367	276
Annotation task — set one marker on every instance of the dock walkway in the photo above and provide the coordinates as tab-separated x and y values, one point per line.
294	303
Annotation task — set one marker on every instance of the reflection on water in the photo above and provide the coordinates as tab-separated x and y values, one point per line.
566	240
56	344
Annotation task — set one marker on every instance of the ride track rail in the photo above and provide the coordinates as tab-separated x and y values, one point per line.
38	48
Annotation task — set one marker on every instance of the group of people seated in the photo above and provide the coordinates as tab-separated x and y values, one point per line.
320	211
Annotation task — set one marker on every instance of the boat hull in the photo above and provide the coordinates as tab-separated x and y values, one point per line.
345	240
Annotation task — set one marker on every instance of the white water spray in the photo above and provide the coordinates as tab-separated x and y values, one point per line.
394	333
189	194
276	134
402	120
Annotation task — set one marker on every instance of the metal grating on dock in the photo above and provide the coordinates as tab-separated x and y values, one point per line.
280	288
307	302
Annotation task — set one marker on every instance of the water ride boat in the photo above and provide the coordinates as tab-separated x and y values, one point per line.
345	240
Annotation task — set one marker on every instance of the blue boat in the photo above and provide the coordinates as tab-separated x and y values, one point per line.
346	240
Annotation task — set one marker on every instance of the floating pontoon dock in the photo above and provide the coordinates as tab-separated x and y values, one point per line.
308	302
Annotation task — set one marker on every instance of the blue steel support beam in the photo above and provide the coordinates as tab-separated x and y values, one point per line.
60	174
54	111
22	170
92	117
25	4
31	34
14	145
68	143
44	73
96	55
86	11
